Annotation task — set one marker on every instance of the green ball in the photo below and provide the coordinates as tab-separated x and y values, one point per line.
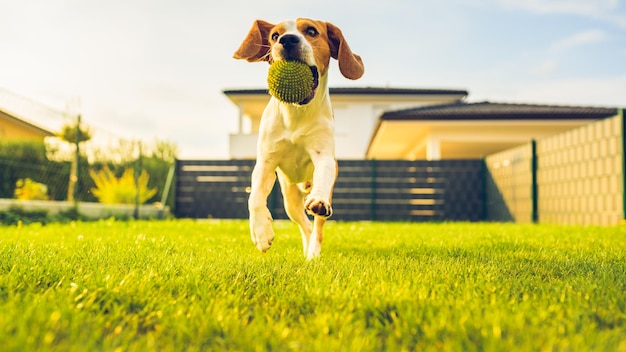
290	81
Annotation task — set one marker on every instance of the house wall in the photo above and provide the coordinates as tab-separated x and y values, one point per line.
242	145
355	119
355	122
353	126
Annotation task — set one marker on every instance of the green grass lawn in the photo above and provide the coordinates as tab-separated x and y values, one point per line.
200	286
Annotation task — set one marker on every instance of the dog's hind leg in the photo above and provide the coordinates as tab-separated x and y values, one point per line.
263	178
315	242
294	207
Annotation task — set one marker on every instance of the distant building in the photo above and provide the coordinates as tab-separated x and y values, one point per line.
356	115
412	124
15	128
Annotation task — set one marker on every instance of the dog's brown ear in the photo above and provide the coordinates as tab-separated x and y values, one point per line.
255	46
350	65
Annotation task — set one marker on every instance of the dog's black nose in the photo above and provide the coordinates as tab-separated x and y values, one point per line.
289	40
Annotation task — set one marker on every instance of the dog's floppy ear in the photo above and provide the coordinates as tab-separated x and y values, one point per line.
255	46
350	65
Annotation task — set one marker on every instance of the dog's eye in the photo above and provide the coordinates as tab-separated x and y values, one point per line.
275	36
312	32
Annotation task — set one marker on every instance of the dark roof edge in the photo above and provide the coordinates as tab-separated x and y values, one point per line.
364	91
245	91
457	112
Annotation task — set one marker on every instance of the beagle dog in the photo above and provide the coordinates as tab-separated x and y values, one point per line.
296	140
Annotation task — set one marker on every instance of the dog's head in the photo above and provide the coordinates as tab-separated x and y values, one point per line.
310	41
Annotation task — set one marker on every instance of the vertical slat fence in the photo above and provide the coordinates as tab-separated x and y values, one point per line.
389	190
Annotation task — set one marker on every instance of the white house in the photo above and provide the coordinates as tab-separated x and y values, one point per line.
356	115
411	124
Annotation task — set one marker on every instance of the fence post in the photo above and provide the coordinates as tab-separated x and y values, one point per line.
168	184
483	184
373	190
620	112
137	173
534	188
75	177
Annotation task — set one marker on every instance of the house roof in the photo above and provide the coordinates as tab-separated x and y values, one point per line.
498	111
25	124
469	130
363	91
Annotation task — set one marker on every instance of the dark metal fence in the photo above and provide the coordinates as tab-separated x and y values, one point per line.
365	190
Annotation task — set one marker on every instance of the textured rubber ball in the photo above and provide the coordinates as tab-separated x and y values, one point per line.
290	81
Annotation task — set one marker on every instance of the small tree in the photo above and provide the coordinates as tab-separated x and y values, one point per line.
74	134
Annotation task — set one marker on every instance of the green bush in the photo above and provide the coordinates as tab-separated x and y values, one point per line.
29	159
43	163
19	159
18	215
27	189
123	190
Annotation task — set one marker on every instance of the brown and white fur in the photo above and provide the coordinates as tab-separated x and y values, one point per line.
296	141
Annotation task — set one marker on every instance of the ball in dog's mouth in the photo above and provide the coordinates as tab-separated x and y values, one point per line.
292	81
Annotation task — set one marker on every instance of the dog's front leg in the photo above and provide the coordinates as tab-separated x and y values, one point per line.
263	178
324	175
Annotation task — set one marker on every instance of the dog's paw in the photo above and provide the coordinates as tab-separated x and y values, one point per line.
318	206
314	251
261	230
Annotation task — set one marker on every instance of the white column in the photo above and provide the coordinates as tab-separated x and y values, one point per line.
433	148
240	118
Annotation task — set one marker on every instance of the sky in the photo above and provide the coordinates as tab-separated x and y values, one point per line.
156	69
